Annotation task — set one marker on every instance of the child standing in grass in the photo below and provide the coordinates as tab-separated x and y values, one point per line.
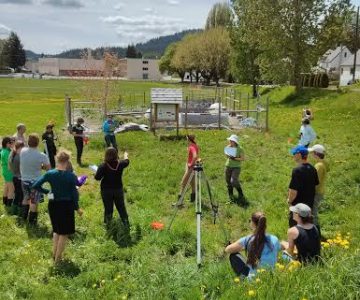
234	154
321	168
307	134
14	165
62	202
8	192
110	173
48	138
261	248
78	132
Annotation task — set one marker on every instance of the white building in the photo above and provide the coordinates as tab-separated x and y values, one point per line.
347	70
331	61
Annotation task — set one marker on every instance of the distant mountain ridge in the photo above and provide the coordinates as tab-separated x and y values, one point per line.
154	48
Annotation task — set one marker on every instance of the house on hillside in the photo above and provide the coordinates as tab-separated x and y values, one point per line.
129	68
347	70
331	61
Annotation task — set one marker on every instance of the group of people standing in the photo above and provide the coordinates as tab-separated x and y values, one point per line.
22	164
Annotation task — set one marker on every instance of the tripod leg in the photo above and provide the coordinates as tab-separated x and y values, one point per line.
198	216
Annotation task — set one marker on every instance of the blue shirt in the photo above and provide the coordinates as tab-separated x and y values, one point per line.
268	255
109	127
63	185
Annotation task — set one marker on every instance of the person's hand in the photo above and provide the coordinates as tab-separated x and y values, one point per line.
80	212
126	155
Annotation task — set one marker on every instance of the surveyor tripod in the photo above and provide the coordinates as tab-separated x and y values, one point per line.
198	173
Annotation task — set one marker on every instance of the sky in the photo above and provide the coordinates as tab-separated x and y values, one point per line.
52	26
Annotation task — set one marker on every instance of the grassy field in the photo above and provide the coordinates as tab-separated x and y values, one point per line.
161	264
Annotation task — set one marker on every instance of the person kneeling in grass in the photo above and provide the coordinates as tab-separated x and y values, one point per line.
8	192
304	236
261	248
110	173
63	201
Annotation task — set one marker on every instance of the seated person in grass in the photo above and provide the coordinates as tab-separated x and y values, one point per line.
304	236
261	248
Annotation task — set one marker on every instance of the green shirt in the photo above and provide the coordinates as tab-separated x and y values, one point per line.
5	153
230	163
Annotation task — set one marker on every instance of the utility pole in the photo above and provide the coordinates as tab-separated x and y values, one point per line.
356	43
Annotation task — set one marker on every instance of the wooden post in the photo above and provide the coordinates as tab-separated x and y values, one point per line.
267	114
68	111
144	99
219	102
177	119
186	111
248	105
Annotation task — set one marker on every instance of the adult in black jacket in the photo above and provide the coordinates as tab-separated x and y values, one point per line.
110	173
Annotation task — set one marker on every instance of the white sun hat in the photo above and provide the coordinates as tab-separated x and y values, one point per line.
234	138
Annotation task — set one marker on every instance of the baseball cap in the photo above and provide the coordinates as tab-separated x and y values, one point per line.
299	149
233	138
317	148
301	209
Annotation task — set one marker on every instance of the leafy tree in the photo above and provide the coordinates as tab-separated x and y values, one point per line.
219	16
166	62
13	52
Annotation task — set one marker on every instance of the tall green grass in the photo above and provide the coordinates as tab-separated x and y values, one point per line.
152	264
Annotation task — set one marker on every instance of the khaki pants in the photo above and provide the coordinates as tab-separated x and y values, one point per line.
188	171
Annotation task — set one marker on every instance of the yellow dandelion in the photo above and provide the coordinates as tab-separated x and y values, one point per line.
118	277
251	293
94	286
257	280
124	297
280	266
115	279
330	241
103	281
237	280
261	270
346	247
325	245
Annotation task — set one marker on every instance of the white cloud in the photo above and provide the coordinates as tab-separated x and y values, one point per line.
173	2
140	29
4	31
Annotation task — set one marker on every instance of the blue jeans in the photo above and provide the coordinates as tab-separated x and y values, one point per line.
110	140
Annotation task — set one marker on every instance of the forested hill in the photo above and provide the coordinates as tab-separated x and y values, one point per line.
150	49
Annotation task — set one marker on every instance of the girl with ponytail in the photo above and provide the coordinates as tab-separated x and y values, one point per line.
261	248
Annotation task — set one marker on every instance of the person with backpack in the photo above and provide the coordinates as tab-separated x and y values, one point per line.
110	174
14	165
8	192
260	247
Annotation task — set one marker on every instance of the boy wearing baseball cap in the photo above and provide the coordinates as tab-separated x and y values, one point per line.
304	179
322	168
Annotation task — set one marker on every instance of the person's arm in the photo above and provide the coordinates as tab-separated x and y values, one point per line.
291	196
45	164
240	156
100	172
236	246
293	233
37	185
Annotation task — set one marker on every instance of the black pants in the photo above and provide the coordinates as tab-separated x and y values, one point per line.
110	140
239	265
51	155
19	195
111	197
79	148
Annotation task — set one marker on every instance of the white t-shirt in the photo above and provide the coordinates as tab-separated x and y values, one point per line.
31	162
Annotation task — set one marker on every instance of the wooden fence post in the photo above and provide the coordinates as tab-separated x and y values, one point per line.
186	111
267	114
248	105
